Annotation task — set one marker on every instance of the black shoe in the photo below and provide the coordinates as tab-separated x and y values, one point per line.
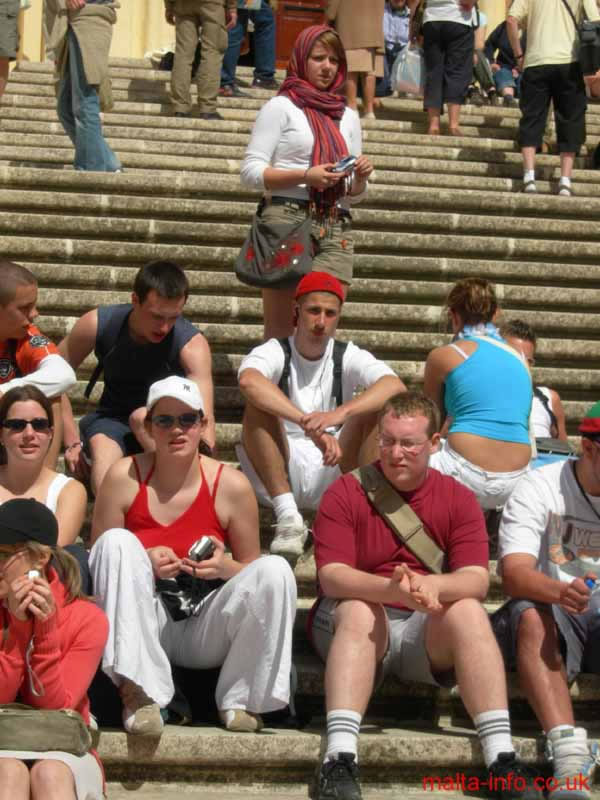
510	101
209	115
338	779
265	83
182	114
232	90
510	779
596	157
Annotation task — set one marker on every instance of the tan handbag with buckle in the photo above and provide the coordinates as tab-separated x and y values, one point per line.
38	729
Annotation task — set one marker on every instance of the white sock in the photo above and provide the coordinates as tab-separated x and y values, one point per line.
564	181
343	727
528	175
283	505
554	731
493	730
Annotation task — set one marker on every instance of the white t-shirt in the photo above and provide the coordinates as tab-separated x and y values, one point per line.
282	138
540	420
447	11
310	382
546	516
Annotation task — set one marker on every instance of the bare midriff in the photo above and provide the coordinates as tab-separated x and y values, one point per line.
492	455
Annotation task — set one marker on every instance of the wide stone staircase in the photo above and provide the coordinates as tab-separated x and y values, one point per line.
438	209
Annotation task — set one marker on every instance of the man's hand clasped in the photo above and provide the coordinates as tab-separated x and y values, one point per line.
575	596
422	590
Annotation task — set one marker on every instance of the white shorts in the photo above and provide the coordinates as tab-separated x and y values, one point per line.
308	476
491	488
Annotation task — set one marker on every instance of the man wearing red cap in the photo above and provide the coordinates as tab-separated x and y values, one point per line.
303	424
549	558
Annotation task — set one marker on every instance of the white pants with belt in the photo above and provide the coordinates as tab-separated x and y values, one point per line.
245	627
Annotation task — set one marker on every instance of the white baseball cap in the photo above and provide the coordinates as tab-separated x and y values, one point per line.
180	388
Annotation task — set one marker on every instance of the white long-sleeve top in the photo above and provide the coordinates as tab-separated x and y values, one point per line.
282	138
53	376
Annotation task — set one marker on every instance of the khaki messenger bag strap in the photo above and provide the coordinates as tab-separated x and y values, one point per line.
400	517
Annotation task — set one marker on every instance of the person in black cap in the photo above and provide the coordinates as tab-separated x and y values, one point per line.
51	644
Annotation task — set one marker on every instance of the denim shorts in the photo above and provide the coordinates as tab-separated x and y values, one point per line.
579	634
9	35
116	428
490	488
406	657
505	79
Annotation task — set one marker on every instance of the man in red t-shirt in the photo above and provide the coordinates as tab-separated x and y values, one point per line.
381	610
26	355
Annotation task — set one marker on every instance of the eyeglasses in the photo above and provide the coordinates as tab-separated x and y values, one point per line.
39	424
167	421
406	445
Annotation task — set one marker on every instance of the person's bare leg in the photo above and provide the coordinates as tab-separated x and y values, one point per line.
566	164
14	779
462	638
266	446
358	645
528	158
3	75
52	780
368	87
434	121
541	669
352	90
358	441
278	313
136	423
104	452
57	433
454	119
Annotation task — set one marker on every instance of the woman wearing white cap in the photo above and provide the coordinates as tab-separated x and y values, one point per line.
149	511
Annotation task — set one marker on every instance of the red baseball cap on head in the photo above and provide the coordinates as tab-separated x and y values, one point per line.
320	282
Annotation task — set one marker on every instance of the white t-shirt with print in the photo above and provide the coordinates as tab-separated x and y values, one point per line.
547	516
310	382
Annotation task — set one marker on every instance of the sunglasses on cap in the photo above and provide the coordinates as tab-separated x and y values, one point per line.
39	424
187	420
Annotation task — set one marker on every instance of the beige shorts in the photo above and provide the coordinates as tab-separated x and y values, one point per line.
334	249
366	59
9	37
406	656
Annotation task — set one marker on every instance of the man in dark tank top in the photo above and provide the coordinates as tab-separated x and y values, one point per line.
135	344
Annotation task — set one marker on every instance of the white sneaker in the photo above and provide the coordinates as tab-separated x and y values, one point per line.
574	761
290	535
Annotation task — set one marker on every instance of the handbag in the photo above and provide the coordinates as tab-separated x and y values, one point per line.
400	517
275	256
39	729
588	33
183	596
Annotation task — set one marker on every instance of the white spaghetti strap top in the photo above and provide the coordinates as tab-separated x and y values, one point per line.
54	490
459	350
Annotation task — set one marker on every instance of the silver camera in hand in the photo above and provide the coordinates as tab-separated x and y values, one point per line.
202	549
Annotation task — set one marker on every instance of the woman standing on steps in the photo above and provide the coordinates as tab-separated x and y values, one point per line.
484	388
297	138
448	44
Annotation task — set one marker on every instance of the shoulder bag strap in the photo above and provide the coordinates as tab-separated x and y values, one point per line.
400	517
284	381
572	15
339	348
544	401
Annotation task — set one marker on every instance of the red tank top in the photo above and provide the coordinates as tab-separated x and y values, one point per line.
200	519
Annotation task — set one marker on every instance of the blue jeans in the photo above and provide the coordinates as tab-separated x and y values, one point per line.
264	44
79	112
505	80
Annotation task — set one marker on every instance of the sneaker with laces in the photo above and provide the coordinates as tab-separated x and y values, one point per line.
238	720
338	779
510	779
265	83
290	535
141	715
574	761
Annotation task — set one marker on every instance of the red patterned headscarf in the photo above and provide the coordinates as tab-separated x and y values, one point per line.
323	109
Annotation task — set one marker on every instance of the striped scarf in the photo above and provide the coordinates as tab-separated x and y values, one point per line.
324	110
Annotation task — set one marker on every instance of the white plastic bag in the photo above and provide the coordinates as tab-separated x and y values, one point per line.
408	72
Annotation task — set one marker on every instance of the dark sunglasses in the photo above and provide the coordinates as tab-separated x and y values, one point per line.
187	420
39	424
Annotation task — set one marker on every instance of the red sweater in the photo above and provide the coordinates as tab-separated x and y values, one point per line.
67	649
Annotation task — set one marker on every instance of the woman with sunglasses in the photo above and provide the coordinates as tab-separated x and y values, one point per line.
26	430
150	510
51	644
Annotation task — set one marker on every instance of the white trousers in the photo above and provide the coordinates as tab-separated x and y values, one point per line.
245	627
